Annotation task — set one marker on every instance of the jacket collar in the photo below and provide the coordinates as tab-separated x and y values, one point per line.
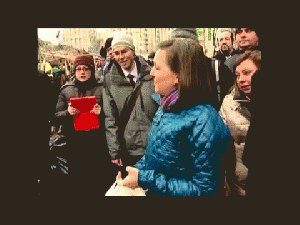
220	56
240	96
142	67
156	97
240	51
72	83
171	99
238	99
68	83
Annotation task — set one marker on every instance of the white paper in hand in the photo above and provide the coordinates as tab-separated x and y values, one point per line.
119	190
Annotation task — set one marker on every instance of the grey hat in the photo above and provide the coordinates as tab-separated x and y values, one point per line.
123	40
184	33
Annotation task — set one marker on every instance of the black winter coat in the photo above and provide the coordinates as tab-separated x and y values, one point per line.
226	78
225	82
89	166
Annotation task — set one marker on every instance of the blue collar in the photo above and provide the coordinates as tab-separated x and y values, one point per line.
156	97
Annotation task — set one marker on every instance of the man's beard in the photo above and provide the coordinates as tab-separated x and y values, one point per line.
225	50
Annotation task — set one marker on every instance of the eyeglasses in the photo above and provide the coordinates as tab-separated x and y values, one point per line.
83	69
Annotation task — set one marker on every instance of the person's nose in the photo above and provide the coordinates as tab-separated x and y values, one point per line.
243	34
121	56
242	79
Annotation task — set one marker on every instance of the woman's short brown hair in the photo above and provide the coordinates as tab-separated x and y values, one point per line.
255	56
186	58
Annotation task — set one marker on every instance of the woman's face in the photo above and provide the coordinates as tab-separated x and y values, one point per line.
83	73
244	72
164	78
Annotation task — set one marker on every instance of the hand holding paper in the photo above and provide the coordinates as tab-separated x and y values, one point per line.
87	118
131	180
72	110
96	109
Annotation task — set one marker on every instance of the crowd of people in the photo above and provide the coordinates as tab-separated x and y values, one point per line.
174	124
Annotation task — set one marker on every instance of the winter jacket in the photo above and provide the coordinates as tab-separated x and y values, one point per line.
236	115
116	90
86	153
99	75
70	90
107	67
183	152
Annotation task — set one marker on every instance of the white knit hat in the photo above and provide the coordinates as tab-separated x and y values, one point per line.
123	40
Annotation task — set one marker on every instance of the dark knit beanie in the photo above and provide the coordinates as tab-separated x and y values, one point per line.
108	43
103	50
85	60
256	29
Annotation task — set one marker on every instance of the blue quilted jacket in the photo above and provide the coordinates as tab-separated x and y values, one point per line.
183	152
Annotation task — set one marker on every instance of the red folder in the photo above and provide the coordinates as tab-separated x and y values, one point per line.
85	120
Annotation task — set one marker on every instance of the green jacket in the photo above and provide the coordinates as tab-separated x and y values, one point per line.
116	90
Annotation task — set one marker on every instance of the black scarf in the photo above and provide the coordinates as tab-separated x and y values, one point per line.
86	85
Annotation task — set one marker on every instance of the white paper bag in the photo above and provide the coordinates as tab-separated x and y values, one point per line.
119	190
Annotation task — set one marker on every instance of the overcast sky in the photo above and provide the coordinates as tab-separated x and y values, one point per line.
49	34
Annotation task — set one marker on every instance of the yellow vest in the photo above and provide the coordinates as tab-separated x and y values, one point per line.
48	69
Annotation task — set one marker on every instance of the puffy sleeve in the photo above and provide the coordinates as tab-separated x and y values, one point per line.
62	116
141	163
198	168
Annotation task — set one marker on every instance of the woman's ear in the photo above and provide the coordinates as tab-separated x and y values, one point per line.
176	79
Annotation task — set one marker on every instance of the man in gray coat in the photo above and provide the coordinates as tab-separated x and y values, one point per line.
129	77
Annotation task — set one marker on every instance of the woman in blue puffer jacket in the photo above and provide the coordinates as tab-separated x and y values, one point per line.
187	137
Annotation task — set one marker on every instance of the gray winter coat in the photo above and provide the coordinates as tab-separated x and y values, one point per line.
70	90
116	91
